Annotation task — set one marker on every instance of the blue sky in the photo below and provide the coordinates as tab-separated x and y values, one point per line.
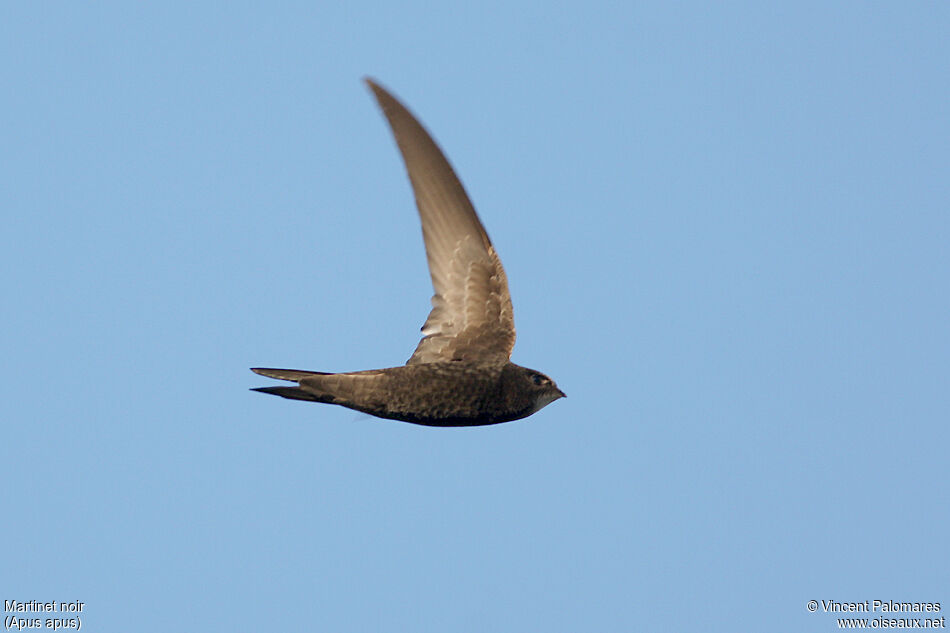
725	228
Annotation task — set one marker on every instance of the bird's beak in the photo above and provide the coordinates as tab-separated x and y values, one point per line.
561	394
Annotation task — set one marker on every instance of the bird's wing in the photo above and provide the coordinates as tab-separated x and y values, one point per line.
471	316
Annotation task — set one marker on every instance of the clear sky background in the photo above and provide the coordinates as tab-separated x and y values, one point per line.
726	230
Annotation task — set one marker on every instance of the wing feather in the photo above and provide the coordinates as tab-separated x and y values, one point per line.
471	317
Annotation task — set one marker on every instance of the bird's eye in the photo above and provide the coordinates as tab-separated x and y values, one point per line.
538	379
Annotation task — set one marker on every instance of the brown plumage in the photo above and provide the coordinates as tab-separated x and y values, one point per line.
460	373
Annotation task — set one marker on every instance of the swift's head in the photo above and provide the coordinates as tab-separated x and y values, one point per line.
539	389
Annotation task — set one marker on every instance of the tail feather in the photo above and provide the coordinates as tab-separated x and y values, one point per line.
286	374
292	393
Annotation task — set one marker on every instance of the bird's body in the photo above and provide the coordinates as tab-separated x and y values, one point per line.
460	373
432	394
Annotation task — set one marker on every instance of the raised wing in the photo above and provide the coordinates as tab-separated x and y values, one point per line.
471	316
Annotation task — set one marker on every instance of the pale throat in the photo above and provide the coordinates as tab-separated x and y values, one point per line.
543	400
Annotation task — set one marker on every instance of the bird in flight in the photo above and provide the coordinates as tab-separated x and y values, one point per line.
461	373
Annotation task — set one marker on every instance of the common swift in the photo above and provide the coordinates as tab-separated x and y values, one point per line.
460	373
